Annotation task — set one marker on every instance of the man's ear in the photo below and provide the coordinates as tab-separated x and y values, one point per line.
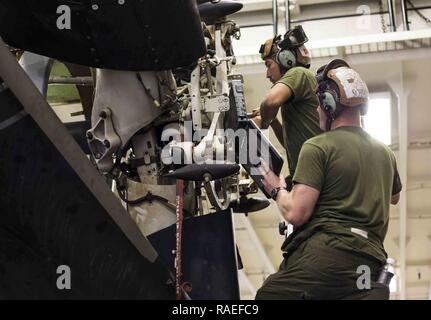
282	69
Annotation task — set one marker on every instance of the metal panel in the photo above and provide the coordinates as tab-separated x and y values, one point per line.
124	35
49	217
208	255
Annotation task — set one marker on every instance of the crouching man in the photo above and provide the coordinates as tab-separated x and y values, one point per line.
344	183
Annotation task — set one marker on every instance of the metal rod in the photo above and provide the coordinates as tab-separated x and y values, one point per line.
403	165
405	15
79	81
256	25
287	14
295	21
392	15
275	16
337	17
418	8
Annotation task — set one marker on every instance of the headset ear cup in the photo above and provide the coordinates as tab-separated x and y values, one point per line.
329	103
286	58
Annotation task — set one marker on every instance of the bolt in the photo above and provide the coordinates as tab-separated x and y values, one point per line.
103	114
121	2
107	144
89	136
95	7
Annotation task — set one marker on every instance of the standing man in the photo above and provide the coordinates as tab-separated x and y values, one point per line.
288	62
343	185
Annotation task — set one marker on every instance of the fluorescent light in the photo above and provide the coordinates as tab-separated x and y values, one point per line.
377	122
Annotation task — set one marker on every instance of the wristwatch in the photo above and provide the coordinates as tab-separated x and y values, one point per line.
275	191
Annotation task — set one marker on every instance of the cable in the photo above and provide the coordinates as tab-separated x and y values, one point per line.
149	197
147	90
420	14
382	18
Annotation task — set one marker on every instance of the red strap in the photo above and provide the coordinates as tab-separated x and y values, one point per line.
179	230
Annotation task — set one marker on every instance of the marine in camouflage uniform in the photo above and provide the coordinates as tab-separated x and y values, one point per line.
288	64
344	183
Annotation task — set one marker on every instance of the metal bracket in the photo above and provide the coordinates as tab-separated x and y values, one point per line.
219	103
103	140
196	98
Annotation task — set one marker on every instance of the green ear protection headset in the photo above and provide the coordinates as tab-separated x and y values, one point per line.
328	92
286	49
286	58
293	39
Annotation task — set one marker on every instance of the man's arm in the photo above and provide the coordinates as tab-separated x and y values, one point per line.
395	198
278	130
275	125
297	206
396	184
278	95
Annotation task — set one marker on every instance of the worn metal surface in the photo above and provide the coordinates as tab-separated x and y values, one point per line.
49	218
135	35
37	107
209	257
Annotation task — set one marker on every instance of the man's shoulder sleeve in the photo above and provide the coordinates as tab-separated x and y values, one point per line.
311	166
295	79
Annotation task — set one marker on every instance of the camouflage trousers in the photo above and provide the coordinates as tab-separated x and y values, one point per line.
317	271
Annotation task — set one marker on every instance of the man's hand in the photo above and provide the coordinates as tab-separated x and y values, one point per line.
270	180
255	116
297	206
